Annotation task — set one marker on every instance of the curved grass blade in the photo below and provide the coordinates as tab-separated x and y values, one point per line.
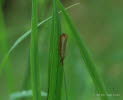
23	37
85	54
24	94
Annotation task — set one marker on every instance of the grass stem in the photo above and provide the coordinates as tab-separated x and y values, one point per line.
34	57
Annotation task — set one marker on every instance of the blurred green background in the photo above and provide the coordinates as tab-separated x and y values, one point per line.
100	23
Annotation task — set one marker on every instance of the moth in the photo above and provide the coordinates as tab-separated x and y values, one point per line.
62	48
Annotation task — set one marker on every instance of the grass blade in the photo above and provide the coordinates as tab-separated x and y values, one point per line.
54	91
34	57
84	53
23	37
24	94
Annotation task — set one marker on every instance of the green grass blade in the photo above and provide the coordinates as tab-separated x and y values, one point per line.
34	56
84	53
54	84
23	37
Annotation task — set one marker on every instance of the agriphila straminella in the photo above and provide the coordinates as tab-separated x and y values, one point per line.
62	50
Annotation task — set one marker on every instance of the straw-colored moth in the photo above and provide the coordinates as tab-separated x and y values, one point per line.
63	42
62	49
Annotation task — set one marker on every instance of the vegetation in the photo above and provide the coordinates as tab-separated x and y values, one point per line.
67	56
